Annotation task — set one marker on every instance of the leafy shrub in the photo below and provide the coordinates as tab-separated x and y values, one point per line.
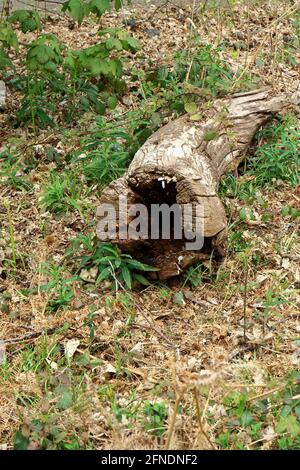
78	9
29	20
57	77
68	80
111	263
44	54
8	37
156	418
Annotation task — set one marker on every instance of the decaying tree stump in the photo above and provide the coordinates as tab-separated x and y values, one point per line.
182	163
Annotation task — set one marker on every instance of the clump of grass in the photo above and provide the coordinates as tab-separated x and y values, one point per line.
61	194
279	157
111	264
195	275
106	163
12	170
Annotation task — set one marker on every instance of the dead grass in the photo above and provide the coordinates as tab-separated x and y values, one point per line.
212	316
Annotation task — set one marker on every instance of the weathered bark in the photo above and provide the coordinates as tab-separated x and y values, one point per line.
2	95
183	162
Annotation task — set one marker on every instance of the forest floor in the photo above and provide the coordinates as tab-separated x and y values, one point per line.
82	366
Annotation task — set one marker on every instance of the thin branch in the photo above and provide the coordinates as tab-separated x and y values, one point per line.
173	420
19	339
245	301
199	416
55	12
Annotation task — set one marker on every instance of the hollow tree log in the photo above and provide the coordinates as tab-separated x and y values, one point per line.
182	163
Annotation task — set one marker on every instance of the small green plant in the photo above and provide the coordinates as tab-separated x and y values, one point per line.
79	9
59	78
44	54
61	194
8	37
279	157
44	433
112	265
58	285
289	211
35	108
28	20
195	275
272	300
12	171
279	409
156	418
106	163
8	40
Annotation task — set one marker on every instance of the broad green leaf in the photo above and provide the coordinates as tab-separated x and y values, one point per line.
243	214
115	67
126	276
196	117
141	279
178	299
211	135
98	66
113	43
191	107
65	401
76	8
133	43
246	418
43	54
5	62
8	37
99	6
293	426
20	441
105	274
133	263
156	119
100	108
19	16
50	66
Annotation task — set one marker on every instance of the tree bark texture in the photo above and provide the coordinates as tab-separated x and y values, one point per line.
183	162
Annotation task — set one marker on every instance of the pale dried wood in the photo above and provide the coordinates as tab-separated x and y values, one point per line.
182	154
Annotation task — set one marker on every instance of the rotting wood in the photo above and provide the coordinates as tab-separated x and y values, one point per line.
183	162
2	95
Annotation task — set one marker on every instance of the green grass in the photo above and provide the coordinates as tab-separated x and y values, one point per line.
62	194
277	159
105	164
58	285
252	417
111	264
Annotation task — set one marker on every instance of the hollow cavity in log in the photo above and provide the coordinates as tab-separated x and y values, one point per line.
182	163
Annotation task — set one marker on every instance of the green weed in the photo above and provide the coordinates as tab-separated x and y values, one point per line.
113	265
61	194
